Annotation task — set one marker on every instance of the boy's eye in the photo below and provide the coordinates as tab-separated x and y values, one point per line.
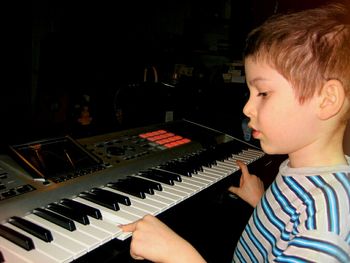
262	94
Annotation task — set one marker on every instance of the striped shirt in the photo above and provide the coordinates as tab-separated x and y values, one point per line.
304	216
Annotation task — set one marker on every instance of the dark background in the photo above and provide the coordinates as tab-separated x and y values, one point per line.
100	49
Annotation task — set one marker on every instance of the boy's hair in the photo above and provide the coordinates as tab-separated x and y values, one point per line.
308	47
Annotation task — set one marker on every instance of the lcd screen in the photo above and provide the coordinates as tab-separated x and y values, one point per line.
56	158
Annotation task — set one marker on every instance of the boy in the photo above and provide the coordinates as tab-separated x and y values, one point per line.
298	74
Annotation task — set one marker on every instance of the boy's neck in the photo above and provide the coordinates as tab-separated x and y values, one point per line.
318	161
327	151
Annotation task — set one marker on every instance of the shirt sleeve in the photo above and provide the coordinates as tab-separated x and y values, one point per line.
316	246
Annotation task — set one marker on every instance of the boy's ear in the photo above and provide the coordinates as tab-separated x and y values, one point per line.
331	99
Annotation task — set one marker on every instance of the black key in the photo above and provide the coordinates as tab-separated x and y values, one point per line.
167	174
115	196
17	238
91	211
34	229
127	188
178	167
100	200
145	183
136	187
55	219
142	187
75	215
158	178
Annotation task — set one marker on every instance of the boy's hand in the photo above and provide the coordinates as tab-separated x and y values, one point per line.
250	189
153	240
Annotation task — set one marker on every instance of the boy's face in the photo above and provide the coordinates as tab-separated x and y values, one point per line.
278	120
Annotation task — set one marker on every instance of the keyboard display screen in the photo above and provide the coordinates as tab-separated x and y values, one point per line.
56	158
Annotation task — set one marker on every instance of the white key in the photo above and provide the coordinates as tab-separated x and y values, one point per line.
92	231
212	178
158	198
132	210
49	249
221	170
213	172
194	188
204	181
179	188
170	196
173	191
229	165
108	227
87	241
226	167
194	182
16	254
60	240
204	178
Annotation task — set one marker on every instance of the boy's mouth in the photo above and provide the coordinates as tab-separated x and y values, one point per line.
255	133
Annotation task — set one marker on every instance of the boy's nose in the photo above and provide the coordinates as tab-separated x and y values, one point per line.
248	109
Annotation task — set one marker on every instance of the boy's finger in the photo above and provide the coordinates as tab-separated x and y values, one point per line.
234	190
243	167
129	227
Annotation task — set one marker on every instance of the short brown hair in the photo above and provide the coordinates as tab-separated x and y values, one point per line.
308	47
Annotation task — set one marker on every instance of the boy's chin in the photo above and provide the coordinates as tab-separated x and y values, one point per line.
268	149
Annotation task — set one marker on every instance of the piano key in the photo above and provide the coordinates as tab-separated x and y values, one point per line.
117	217
81	224
18	238
75	215
126	189
60	240
160	199
94	232
161	193
28	226
194	182
87	241
49	249
221	170
240	158
164	194
14	253
176	192
228	165
133	210
166	174
253	156
145	183
91	211
130	184
180	187
137	202
213	172
193	188
98	199
209	178
55	218
122	199
106	226
232	162
149	201
204	180
157	178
